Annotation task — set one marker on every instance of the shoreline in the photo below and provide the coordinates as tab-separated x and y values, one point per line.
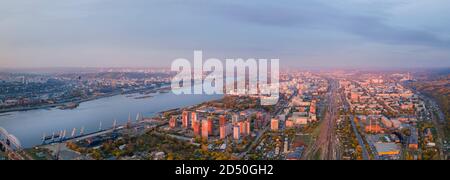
4	111
50	106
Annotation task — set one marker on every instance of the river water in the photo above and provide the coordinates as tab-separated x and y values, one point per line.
29	126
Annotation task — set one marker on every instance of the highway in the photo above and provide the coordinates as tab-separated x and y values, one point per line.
438	120
437	117
365	154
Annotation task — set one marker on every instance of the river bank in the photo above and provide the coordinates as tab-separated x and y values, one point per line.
29	126
60	104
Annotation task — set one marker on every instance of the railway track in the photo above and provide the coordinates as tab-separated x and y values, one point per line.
326	141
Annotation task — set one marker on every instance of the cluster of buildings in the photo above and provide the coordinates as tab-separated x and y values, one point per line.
302	107
385	110
299	108
219	124
21	90
375	96
33	90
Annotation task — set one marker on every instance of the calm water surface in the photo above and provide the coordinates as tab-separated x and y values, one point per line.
29	126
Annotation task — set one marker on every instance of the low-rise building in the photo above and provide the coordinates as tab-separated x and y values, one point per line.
414	139
274	125
387	149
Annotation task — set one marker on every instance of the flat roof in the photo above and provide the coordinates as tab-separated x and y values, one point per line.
386	147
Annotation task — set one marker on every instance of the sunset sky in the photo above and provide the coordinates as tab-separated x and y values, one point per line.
301	33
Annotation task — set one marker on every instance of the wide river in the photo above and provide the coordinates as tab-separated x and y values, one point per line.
29	126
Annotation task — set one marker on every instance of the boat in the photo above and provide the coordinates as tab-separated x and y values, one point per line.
69	106
143	97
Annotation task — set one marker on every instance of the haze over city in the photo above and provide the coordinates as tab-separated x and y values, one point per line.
225	80
152	33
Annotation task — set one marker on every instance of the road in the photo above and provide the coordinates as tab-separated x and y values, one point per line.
257	140
326	143
12	154
438	119
365	154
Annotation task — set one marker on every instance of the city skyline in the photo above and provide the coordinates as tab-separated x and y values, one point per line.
306	34
318	115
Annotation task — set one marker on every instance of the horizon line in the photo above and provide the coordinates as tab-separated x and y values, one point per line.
2	69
